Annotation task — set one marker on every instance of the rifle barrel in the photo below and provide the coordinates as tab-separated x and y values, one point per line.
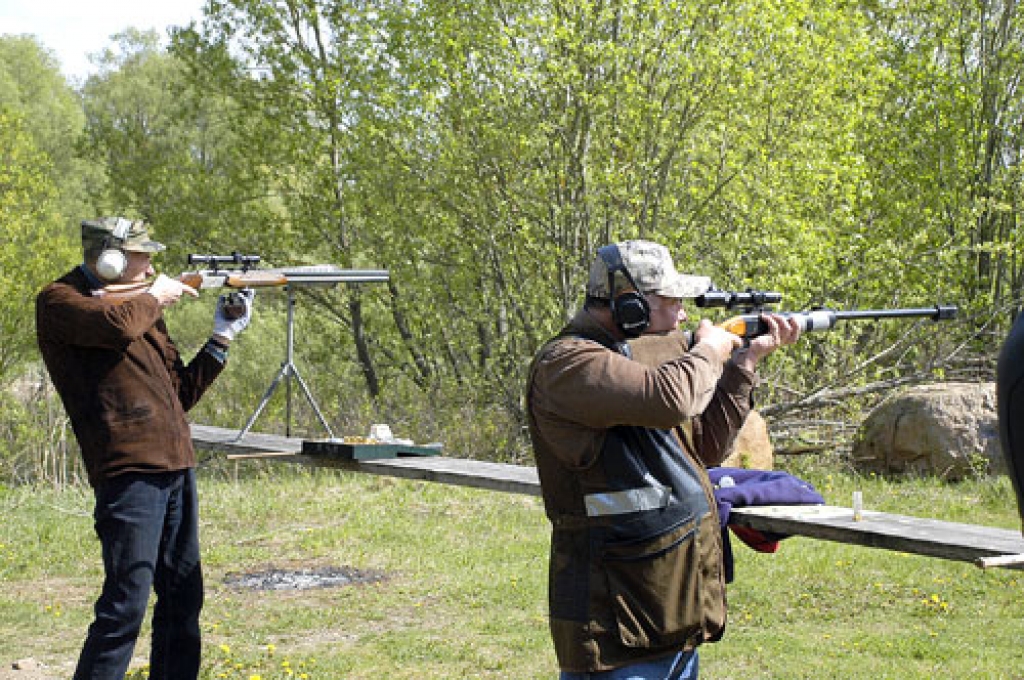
330	275
936	313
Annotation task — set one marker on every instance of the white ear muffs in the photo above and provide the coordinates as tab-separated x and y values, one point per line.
112	262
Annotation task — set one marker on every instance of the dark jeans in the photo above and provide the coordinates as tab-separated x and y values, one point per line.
682	666
148	527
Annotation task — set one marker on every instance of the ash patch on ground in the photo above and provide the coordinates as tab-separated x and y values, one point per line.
302	579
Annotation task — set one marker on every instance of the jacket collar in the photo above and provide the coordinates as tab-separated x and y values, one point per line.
583	325
92	280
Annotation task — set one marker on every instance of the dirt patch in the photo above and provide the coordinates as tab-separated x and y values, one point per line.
30	669
302	579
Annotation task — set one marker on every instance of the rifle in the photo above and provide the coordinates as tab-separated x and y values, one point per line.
238	277
750	324
235	271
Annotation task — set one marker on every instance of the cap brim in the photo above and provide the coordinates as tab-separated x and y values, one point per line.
145	247
684	286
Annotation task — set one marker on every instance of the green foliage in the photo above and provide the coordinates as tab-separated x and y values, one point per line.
39	119
32	87
474	156
34	241
845	154
36	445
170	155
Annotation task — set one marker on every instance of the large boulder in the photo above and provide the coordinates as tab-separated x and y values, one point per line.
753	447
948	430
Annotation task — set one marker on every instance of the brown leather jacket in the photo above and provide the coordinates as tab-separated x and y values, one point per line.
636	558
121	379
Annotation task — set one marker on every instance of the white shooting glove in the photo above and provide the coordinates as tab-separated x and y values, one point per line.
233	313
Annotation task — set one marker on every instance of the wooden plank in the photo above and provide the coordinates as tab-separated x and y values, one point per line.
1000	561
478	474
917	535
223	439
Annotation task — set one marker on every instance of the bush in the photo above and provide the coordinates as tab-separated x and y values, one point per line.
36	444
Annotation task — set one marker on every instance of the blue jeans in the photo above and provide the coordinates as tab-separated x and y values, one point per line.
682	666
149	532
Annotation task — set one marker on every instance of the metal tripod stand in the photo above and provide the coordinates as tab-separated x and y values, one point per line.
287	371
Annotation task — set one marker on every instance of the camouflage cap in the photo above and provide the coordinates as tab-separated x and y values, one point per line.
100	232
651	267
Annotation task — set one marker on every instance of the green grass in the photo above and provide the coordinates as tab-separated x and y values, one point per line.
463	587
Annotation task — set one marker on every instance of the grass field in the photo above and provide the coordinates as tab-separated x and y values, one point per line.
457	587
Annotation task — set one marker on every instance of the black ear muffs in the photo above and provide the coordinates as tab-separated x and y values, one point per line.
112	262
630	310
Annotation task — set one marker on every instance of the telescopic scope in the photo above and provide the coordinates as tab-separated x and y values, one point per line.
235	258
732	299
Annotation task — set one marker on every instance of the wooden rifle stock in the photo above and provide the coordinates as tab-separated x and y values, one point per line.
199	280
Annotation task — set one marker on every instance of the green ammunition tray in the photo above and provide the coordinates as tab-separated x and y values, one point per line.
338	449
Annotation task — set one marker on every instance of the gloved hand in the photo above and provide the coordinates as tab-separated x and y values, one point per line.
233	313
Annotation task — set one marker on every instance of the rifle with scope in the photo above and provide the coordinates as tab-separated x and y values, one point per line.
238	272
750	324
224	271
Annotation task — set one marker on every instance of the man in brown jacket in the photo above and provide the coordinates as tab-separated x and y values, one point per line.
636	576
126	391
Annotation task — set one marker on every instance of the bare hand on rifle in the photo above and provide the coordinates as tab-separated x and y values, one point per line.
782	330
167	291
720	340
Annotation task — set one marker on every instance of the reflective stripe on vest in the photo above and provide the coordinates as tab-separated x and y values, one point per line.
631	500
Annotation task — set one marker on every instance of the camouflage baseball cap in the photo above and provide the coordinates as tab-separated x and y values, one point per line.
650	265
136	238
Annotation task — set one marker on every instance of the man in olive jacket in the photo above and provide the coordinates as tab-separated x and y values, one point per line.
636	577
126	391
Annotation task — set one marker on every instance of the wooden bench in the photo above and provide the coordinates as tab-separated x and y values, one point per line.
980	545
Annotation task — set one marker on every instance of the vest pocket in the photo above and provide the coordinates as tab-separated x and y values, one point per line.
654	587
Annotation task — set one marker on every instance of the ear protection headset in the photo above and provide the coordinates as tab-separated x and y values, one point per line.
112	262
630	310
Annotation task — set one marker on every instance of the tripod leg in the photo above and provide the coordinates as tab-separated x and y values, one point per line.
282	373
312	402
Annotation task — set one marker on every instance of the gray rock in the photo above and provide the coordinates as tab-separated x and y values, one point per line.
948	430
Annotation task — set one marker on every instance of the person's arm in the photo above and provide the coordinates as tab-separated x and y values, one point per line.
714	432
191	381
74	318
583	382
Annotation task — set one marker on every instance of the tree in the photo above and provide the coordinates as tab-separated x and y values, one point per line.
32	87
35	247
484	150
41	184
948	161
